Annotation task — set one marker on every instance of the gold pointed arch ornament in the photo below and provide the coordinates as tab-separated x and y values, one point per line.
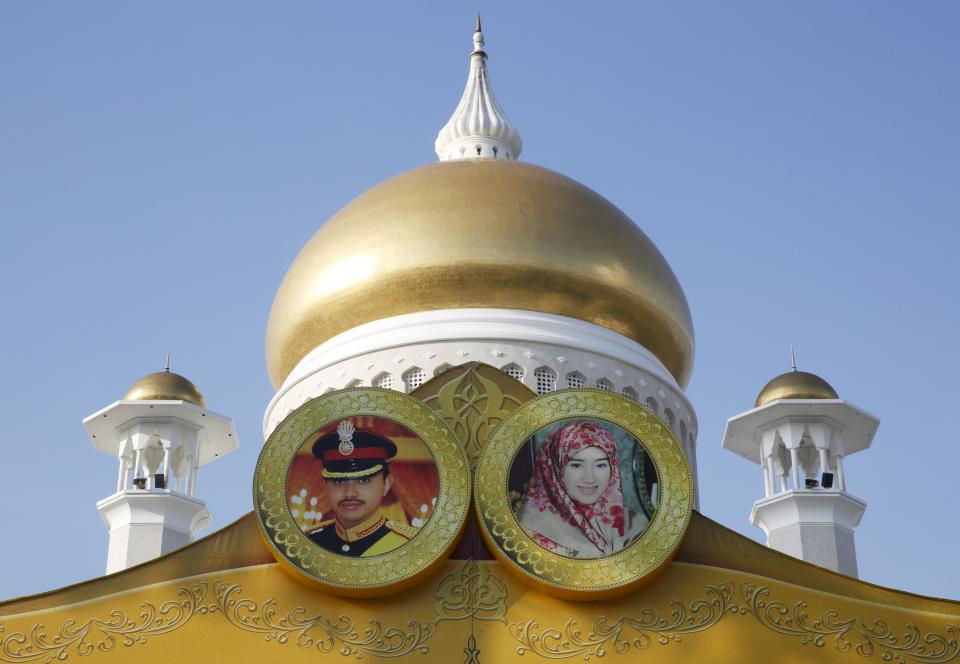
473	399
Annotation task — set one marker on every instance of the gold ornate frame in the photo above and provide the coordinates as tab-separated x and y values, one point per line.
376	575
594	578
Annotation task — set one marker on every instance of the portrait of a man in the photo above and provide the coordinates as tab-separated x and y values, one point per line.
352	502
585	488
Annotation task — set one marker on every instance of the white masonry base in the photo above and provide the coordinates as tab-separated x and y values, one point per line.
546	352
147	524
814	525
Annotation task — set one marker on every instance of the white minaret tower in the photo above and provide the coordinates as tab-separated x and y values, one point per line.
161	433
799	433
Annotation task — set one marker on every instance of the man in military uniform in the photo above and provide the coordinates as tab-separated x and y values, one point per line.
356	468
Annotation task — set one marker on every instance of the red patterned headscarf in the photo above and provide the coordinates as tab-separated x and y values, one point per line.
546	492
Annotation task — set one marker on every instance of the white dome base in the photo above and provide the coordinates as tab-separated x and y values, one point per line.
544	351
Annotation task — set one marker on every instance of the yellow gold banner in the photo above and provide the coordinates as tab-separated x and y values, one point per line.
476	612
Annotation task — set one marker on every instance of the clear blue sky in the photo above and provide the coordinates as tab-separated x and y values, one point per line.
162	163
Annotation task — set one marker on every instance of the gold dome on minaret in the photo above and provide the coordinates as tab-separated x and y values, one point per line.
480	233
796	384
165	386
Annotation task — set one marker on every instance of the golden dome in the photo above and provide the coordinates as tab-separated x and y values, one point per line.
165	386
796	385
479	233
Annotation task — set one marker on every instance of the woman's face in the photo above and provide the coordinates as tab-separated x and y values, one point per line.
587	475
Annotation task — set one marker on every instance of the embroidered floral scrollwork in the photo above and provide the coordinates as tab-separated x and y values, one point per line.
308	630
627	632
472	591
796	621
851	635
103	635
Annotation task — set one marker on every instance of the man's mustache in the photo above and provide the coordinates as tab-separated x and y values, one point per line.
351	500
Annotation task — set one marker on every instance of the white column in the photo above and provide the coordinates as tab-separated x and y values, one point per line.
136	463
122	474
841	481
166	466
123	455
196	477
824	460
144	525
768	485
816	526
795	468
191	479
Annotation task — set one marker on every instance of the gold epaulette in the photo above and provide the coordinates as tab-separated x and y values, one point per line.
320	526
402	529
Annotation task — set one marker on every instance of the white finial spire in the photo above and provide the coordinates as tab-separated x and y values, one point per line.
479	127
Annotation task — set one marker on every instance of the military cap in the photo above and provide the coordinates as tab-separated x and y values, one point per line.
349	453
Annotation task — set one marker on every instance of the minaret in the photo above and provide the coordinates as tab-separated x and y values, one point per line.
478	127
799	433
161	433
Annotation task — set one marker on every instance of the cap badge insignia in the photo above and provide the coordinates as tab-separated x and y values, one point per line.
345	430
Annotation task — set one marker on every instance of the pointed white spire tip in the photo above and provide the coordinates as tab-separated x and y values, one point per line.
478	127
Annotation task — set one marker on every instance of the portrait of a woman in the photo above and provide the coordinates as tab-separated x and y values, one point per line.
574	502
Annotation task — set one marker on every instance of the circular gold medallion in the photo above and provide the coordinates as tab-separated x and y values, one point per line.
584	493
362	491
